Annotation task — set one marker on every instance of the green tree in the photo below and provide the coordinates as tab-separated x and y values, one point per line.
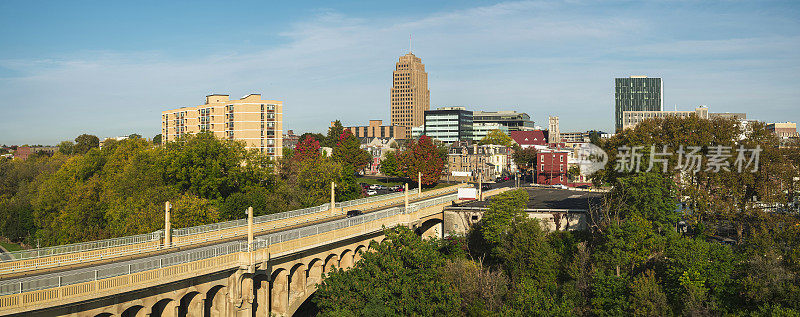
647	296
334	133
206	166
525	159
157	139
497	137
402	277
86	142
504	209
390	166
348	151
66	147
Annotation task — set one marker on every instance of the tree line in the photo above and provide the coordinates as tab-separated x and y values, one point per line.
723	254
84	192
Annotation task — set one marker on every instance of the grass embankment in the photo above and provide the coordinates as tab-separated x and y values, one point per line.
11	247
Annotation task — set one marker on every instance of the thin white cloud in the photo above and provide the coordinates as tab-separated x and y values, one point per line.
540	57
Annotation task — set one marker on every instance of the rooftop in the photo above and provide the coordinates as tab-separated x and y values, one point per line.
552	198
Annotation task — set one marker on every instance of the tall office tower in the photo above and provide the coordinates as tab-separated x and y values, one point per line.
553	131
637	93
257	122
409	95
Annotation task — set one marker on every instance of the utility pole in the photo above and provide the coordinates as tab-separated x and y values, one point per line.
249	229
405	190
167	225
480	186
333	198
419	183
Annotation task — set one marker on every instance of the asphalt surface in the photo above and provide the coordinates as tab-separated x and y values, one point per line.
552	198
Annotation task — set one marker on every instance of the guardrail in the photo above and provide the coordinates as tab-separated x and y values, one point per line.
9	289
82	247
27	260
367	200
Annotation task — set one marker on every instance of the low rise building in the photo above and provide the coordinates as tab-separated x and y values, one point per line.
785	131
290	139
470	163
378	148
514	121
376	129
480	130
551	166
527	139
631	119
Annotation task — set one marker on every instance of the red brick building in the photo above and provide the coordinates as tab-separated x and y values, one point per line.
551	167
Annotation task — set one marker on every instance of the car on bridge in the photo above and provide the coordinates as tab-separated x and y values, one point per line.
353	213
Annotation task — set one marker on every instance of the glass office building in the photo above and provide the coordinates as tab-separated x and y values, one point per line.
449	124
637	93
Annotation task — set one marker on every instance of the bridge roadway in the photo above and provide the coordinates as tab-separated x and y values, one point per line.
230	278
59	258
176	252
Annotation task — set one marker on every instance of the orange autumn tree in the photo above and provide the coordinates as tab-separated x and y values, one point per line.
421	156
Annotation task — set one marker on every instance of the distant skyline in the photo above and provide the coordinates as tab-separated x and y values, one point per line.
109	68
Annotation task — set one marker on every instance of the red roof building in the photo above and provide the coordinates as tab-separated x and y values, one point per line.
529	138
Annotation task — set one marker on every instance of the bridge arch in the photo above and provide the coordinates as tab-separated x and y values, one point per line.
315	271
431	228
191	304
331	263
297	281
104	315
216	303
346	260
135	310
358	253
164	307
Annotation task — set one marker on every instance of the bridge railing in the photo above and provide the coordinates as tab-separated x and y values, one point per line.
82	247
26	260
367	200
243	222
58	287
82	276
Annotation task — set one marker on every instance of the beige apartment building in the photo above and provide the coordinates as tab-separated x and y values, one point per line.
376	129
257	122
631	119
409	95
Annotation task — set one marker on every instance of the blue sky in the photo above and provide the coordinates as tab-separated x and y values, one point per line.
109	68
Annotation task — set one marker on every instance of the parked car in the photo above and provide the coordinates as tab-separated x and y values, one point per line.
374	186
364	185
353	213
399	188
585	186
371	192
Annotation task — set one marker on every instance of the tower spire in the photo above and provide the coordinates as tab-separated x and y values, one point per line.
409	42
